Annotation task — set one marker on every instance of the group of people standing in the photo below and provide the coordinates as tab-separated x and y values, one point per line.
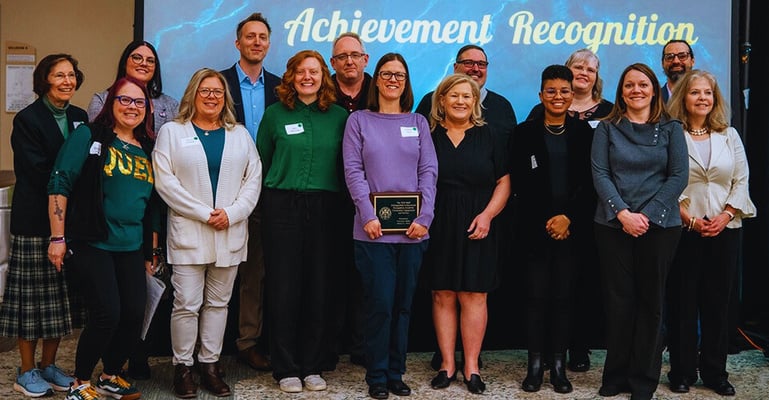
268	181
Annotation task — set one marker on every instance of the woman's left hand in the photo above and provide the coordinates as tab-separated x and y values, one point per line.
149	266
416	231
480	227
717	224
219	219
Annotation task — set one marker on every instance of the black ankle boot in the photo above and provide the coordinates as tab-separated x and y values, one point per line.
558	377
534	373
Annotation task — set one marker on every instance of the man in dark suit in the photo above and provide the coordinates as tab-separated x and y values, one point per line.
677	60
252	89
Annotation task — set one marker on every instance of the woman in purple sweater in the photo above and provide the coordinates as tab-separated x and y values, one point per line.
387	148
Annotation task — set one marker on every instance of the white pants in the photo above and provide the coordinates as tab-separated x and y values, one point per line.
201	296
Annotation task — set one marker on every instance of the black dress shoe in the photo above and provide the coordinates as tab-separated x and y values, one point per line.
475	384
579	361
679	386
443	380
724	388
378	391
398	388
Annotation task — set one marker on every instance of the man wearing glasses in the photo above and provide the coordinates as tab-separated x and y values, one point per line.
349	60
677	60
499	114
252	90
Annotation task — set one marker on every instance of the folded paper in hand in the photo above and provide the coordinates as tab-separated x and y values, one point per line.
155	289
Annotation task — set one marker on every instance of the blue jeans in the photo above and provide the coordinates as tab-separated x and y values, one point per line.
389	275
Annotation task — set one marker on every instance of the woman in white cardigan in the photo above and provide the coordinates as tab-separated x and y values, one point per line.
209	173
712	208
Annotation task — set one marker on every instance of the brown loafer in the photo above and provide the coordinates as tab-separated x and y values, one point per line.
184	386
254	359
211	381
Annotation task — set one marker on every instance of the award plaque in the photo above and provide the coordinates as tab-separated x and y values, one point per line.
396	210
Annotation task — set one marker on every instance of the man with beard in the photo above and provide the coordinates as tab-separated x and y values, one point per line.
252	89
677	59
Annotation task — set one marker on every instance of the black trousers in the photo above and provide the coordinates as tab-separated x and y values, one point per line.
115	290
700	289
298	247
634	274
549	272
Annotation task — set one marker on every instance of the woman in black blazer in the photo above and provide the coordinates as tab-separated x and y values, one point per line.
552	185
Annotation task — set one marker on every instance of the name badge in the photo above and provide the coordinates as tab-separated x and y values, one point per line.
294	129
95	148
409	131
593	123
75	124
189	141
533	162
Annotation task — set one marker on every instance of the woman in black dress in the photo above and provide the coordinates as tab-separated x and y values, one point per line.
473	187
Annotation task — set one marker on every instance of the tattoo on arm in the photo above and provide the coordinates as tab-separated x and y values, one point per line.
57	209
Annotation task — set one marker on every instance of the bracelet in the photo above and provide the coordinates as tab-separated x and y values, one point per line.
157	251
57	239
692	220
730	214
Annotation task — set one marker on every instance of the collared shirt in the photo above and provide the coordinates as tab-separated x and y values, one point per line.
253	100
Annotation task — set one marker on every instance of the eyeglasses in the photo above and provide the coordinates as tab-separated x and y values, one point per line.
206	92
60	76
471	63
126	101
683	56
550	93
387	75
138	59
344	56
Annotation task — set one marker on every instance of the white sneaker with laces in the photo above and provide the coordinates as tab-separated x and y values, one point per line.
314	382
291	385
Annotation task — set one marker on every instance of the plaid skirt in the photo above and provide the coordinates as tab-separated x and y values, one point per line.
37	301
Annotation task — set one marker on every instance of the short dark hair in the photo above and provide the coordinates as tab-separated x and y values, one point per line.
40	84
470	47
691	52
106	117
556	71
255	17
407	97
155	85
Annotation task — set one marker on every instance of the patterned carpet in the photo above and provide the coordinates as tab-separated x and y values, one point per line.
503	372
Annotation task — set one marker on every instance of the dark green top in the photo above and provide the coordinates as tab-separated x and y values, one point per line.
127	182
301	148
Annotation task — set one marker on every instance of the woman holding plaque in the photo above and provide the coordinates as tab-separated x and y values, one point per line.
300	141
388	149
473	187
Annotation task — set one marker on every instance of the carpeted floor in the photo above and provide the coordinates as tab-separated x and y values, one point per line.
503	372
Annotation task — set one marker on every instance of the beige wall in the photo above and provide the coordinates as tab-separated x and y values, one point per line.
93	31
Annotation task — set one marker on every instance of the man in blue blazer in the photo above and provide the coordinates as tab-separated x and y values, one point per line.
252	89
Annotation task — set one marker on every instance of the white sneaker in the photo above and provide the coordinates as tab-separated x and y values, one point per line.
314	382
291	385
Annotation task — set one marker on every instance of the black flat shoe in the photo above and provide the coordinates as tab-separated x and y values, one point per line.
443	380
475	384
398	388
378	391
724	388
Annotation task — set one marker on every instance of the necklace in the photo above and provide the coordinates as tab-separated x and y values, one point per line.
556	129
125	145
699	132
206	132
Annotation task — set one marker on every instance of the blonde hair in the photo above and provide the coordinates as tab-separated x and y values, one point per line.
717	119
187	105
438	113
586	55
